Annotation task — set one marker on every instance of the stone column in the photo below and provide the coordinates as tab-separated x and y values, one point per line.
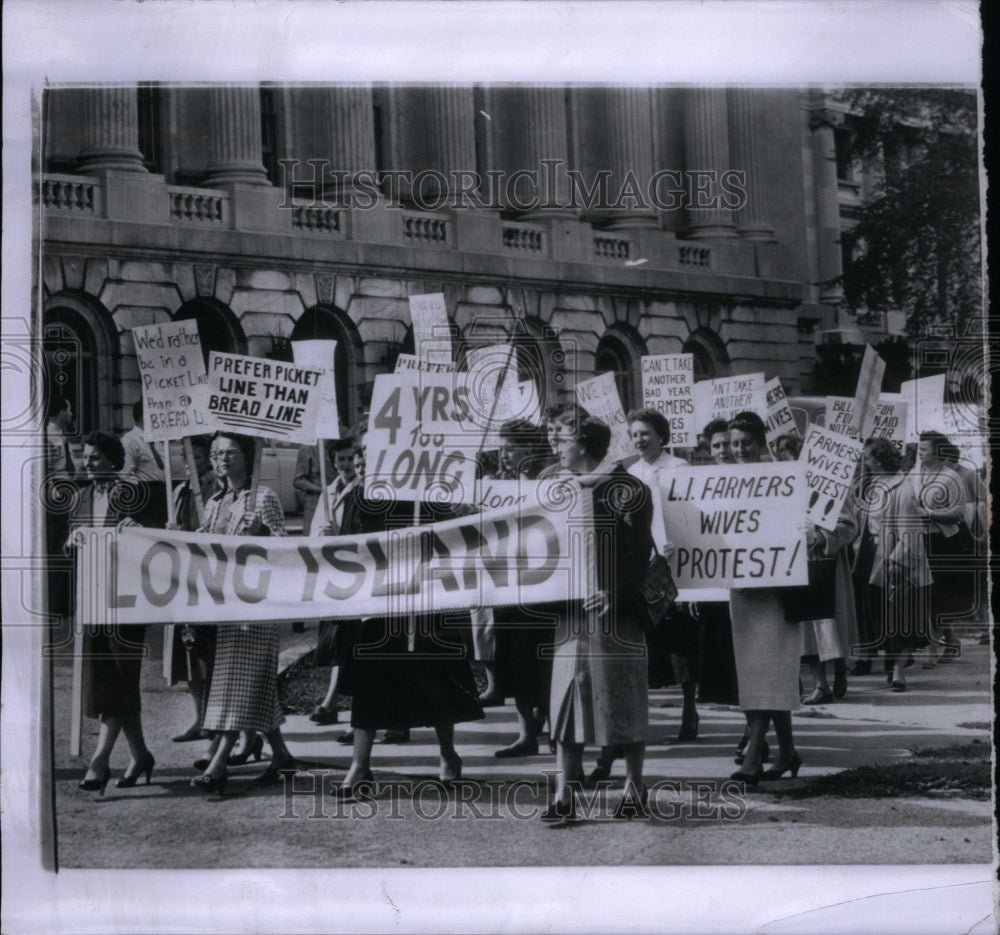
706	150
346	135
630	153
451	134
111	131
746	119
235	153
829	263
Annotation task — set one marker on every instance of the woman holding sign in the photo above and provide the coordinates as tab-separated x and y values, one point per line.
599	680
244	692
767	648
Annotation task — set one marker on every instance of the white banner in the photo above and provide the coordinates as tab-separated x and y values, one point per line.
422	440
319	355
779	419
924	405
736	525
431	328
520	555
830	460
174	380
668	387
599	397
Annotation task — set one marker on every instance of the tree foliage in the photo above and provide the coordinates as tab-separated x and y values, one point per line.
917	242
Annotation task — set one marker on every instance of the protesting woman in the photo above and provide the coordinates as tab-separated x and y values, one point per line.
112	663
244	690
767	648
599	678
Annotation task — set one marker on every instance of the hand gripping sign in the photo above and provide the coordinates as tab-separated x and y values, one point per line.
736	525
422	439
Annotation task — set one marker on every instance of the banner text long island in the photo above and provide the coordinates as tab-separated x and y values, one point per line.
520	555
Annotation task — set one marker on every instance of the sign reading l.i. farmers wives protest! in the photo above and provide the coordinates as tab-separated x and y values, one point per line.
599	397
830	460
736	525
422	439
174	382
265	398
668	387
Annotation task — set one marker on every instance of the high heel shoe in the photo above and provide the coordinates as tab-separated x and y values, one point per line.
253	749
95	785
209	783
630	808
202	763
689	728
558	813
792	766
272	775
363	788
600	773
143	767
453	765
749	779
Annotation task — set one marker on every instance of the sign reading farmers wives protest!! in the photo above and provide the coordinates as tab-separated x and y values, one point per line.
174	381
668	387
599	397
724	397
265	398
779	419
319	355
422	440
736	525
830	460
518	555
431	328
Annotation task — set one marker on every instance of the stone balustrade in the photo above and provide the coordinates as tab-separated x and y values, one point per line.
612	248
198	205
317	220
425	229
524	238
71	193
695	256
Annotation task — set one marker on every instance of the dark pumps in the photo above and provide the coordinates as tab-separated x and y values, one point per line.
143	768
95	785
792	766
211	784
272	775
253	749
750	780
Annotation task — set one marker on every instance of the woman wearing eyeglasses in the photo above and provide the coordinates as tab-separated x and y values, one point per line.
244	691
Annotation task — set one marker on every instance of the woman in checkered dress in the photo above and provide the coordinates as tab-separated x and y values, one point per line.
244	691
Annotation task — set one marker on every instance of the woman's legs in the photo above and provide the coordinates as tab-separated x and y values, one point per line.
361	760
224	742
107	735
635	755
331	692
786	742
569	762
757	722
132	728
451	762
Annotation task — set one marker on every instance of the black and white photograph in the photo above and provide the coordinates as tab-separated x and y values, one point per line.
496	494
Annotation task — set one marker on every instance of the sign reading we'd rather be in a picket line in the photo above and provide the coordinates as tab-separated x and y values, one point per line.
599	397
174	381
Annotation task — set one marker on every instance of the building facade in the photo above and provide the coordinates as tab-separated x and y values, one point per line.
590	226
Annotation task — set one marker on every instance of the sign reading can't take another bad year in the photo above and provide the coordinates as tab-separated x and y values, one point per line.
265	398
668	387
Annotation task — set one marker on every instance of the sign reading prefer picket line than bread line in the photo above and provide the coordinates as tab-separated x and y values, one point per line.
174	381
264	398
736	525
830	460
422	439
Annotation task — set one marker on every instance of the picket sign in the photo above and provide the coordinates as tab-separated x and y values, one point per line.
924	405
779	420
599	397
725	397
410	363
431	328
319	355
867	392
890	420
830	460
840	416
668	388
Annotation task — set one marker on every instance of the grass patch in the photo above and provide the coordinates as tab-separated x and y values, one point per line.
960	771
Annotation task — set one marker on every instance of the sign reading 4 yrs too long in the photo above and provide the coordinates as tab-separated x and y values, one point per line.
422	439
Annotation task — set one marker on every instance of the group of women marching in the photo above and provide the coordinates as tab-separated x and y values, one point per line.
583	668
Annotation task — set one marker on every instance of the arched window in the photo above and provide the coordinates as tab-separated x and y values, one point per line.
81	359
218	328
709	354
326	323
618	352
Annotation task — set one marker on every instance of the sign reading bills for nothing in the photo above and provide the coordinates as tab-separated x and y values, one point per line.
514	556
422	440
736	525
174	381
830	460
668	387
265	398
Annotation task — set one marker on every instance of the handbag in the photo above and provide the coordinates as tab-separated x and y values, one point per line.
816	600
658	590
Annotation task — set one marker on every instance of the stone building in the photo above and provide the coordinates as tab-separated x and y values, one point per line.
588	225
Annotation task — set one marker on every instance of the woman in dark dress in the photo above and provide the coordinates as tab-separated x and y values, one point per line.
395	686
112	662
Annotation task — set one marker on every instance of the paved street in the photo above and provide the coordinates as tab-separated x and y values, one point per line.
413	822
